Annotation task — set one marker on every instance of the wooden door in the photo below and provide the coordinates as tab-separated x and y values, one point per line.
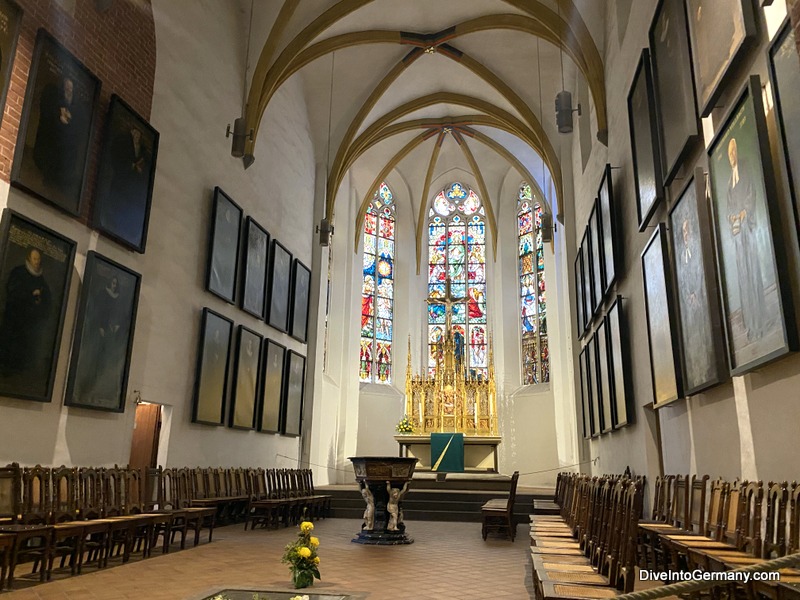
146	429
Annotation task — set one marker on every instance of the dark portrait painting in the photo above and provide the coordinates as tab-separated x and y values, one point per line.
254	286
591	376
785	77
696	293
579	292
644	141
596	258
101	348
301	284
293	394
586	395
280	279
272	360
211	379
226	225
620	365
125	177
755	301
603	377
720	32
52	149
35	271
673	86
588	304
245	381
661	330
10	18
608	229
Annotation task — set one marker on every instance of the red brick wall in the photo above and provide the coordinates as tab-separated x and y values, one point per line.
118	45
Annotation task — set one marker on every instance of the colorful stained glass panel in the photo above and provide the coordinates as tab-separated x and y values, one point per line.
477	253
458	290
525	244
476	233
525	223
367	326
384	308
386	248
370	222
443	206
471	204
436	273
526	264
386	288
457	273
459	314
436	313
369	244
477	273
436	290
455	235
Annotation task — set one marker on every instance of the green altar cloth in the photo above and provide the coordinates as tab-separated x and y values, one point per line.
447	452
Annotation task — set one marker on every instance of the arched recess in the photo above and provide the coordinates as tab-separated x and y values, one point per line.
543	23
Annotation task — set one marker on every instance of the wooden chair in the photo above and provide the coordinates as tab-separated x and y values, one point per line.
6	548
67	532
498	514
197	517
167	504
94	540
32	545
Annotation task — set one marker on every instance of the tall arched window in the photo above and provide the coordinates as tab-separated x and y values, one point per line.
457	249
533	305
377	289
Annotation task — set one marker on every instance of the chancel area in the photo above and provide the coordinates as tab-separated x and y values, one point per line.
375	299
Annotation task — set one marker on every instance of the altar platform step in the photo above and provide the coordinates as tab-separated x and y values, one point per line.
421	504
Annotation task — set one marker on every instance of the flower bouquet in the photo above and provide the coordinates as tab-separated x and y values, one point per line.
301	556
405	426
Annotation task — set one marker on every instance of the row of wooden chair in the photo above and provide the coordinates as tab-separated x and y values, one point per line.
288	496
722	526
589	551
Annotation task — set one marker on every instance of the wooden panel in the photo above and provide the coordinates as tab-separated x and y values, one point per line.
144	445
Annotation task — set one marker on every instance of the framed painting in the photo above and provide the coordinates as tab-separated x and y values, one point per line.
579	292
293	394
699	322
784	73
608	228
10	19
101	348
586	395
603	378
588	303
642	120
720	33
596	258
211	380
678	125
51	156
280	279
591	374
661	329
124	188
226	225
35	272
301	285
273	356
245	380
756	301
619	361
254	284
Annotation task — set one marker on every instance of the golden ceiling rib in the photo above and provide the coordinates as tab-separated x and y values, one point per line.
387	168
423	201
284	16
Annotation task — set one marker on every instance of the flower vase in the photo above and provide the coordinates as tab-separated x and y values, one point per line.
302	579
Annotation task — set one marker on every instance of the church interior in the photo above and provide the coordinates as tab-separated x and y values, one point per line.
520	276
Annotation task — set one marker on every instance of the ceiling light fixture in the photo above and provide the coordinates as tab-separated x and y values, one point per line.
564	108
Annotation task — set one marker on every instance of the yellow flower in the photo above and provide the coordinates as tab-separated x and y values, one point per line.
304	552
314	541
316	560
306	526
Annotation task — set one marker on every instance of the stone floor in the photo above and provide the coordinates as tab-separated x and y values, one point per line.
447	561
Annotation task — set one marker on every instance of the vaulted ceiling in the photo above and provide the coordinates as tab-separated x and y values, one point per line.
419	92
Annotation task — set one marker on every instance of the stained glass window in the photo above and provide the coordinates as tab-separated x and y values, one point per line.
377	289
457	249
533	301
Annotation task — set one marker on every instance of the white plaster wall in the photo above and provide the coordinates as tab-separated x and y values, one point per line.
197	91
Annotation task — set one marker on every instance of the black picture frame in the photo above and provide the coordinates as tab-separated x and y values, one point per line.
224	242
103	340
254	269
10	19
608	228
125	176
273	369
673	86
661	327
757	310
213	361
696	293
301	288
244	395
603	373
645	149
621	413
591	373
784	75
293	396
586	394
51	159
33	302
718	41
579	292
588	303
596	258
280	279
